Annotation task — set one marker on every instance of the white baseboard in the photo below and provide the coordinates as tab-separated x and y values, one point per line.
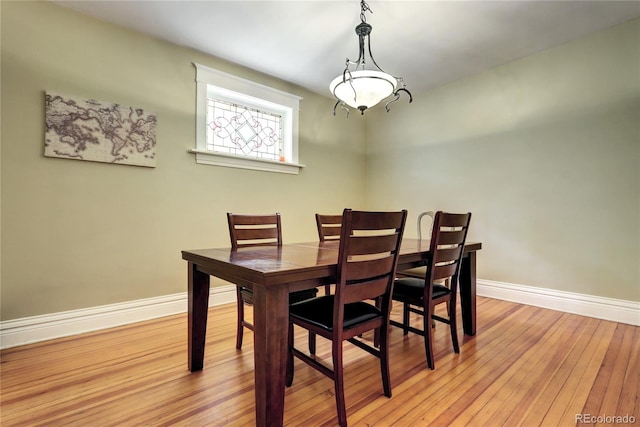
41	328
586	305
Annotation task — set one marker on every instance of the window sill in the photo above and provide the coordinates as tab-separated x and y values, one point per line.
217	159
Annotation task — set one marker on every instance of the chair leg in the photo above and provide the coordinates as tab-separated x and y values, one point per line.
405	318
312	343
376	332
338	379
289	371
240	331
428	338
327	289
453	327
384	360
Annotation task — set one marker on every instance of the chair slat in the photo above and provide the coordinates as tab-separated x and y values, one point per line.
331	231
256	233
444	271
361	245
363	220
453	220
369	268
254	219
366	290
447	254
452	237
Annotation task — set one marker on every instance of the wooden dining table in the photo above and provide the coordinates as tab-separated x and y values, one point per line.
272	272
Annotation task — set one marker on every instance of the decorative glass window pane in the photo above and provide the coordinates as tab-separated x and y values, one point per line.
244	124
242	131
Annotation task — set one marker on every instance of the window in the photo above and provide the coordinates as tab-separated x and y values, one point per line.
243	124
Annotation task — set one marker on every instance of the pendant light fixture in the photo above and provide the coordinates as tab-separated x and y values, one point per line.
363	88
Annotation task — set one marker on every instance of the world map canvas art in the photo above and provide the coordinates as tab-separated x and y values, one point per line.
86	129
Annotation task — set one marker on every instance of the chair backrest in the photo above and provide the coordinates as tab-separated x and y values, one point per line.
254	230
367	258
431	215
329	227
448	236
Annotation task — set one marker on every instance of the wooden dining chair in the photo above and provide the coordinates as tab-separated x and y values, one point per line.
259	230
329	227
420	272
421	295
367	260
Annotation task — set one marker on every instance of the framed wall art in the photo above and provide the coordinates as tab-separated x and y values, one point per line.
86	129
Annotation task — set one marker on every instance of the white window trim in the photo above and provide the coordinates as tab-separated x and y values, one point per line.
209	76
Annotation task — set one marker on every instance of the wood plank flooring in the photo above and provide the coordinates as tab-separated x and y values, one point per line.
525	367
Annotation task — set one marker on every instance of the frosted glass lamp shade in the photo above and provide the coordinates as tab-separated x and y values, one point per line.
365	88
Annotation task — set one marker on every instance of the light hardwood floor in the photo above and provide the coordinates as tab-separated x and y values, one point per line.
526	366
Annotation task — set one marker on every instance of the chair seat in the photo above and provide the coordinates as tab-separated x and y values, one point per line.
247	295
319	312
410	288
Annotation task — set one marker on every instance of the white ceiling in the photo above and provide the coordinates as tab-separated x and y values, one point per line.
428	43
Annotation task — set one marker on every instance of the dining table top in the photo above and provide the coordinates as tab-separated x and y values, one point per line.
273	264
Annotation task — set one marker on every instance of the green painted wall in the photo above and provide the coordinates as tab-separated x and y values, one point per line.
80	234
545	151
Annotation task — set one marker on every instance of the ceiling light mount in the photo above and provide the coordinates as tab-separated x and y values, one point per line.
361	88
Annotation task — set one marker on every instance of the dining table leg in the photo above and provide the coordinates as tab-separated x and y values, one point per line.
467	282
198	308
271	323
